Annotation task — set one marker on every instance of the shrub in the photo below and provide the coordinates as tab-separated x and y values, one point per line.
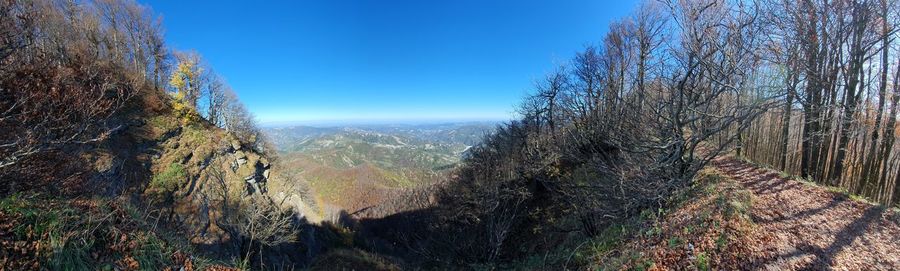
183	109
169	179
702	261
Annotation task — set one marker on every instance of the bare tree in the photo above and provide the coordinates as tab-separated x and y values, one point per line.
254	223
61	84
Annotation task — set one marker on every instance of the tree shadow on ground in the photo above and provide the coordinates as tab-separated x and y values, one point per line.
825	256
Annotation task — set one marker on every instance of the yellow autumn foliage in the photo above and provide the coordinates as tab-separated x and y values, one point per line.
181	76
185	112
183	80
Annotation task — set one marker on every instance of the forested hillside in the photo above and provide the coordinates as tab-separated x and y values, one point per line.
357	167
838	66
120	153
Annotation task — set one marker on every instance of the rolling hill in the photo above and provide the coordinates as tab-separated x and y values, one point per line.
353	167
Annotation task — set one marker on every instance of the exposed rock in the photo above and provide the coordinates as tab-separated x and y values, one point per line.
266	174
203	217
252	185
241	158
236	145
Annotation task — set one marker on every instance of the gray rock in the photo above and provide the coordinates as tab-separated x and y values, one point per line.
241	157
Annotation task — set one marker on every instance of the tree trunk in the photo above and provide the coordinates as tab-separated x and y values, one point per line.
852	90
873	162
786	124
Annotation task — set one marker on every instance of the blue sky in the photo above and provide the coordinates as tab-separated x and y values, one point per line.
387	60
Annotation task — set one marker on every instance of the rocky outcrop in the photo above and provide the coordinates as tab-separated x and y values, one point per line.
220	176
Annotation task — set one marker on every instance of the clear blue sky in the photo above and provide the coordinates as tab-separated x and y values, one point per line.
385	60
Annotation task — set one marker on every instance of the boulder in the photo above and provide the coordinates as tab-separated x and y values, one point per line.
253	186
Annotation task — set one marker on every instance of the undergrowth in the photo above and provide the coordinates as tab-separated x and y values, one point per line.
40	232
169	180
703	228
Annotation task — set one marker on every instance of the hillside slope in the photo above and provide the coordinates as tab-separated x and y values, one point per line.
158	193
800	226
739	216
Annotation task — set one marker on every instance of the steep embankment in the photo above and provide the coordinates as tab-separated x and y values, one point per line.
160	192
802	226
706	227
738	216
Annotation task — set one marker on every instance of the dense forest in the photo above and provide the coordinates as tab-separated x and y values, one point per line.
108	136
836	67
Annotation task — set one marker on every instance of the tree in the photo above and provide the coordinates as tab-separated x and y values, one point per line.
832	55
858	46
872	163
187	79
215	95
253	223
62	80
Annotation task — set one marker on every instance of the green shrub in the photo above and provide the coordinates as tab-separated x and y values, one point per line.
70	252
674	242
702	261
152	253
169	179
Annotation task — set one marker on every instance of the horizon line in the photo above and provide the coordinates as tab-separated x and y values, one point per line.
269	124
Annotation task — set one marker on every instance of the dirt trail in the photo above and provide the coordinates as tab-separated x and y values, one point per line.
804	227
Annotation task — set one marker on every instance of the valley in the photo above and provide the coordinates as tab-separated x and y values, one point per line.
354	167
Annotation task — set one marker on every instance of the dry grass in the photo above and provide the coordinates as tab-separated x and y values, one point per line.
706	230
40	232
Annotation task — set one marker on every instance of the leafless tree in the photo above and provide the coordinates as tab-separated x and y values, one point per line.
254	223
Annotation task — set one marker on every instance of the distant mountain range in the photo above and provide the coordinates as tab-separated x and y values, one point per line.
351	166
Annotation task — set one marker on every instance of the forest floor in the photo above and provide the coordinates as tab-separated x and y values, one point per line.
800	226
